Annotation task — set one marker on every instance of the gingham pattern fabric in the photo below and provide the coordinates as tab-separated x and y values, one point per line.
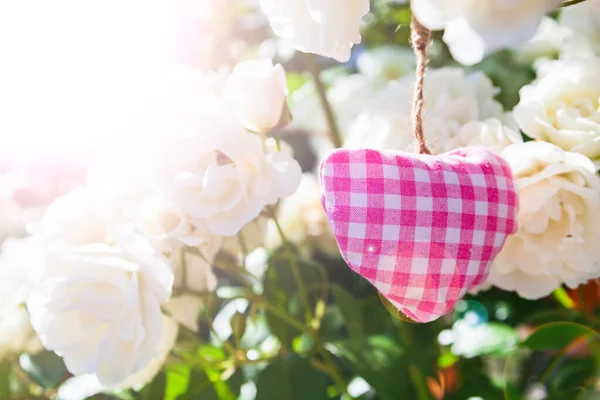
422	229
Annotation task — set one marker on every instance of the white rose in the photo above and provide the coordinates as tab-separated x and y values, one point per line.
326	27
583	20
452	100
475	28
561	107
256	91
97	301
88	385
193	277
167	223
221	175
492	133
559	209
303	219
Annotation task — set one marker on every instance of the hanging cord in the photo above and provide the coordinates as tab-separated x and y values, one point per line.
420	38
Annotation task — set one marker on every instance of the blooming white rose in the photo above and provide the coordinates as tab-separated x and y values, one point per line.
97	301
221	175
88	385
326	27
583	20
193	277
303	219
475	28
562	106
167	223
452	100
559	209
256	91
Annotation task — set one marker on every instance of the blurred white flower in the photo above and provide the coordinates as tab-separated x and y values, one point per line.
386	62
347	95
470	337
16	334
559	209
562	106
475	28
193	276
303	219
326	27
452	101
85	386
97	301
19	260
256	91
584	22
545	44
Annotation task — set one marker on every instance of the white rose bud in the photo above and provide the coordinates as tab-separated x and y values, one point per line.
256	91
558	235
561	107
476	28
97	302
326	27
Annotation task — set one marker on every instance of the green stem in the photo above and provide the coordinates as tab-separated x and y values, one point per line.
418	380
315	72
331	369
295	270
286	318
571	3
416	375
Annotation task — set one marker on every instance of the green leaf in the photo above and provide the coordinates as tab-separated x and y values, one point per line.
380	361
156	389
178	378
292	378
201	387
295	81
45	368
351	310
5	370
557	336
282	291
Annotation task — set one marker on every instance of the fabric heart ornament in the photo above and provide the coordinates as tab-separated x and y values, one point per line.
422	229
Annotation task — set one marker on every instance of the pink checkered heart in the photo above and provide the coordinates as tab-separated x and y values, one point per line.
422	229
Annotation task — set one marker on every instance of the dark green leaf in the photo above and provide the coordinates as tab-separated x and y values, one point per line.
292	378
156	389
381	362
45	368
351	310
557	336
